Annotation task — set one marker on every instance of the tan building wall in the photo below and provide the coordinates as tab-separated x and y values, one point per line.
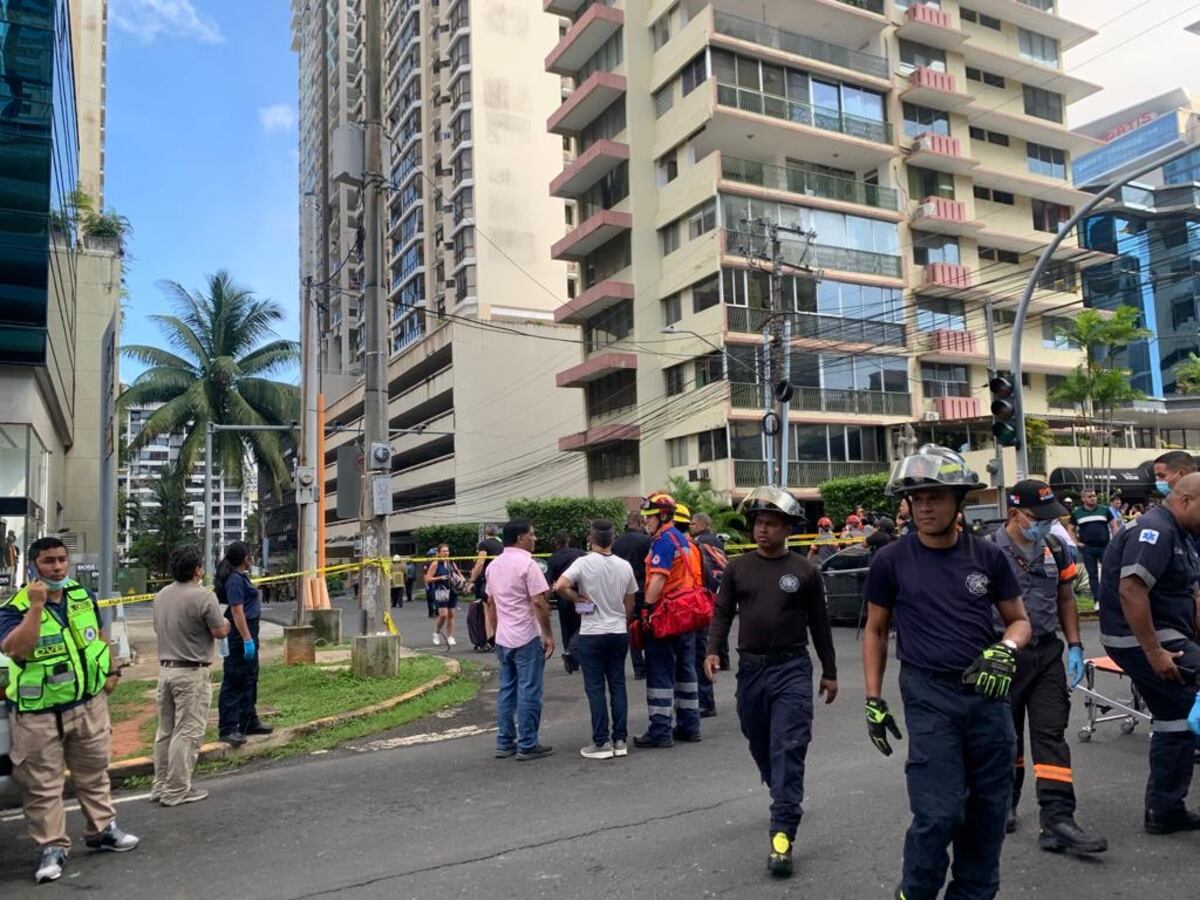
89	42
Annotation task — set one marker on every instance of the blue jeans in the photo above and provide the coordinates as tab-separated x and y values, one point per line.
602	658
519	704
1092	558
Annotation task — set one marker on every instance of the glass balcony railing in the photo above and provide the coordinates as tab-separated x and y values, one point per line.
816	326
796	180
799	44
804	114
875	6
820	256
806	473
833	400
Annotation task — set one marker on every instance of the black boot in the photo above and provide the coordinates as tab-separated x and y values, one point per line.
779	862
1067	835
1169	823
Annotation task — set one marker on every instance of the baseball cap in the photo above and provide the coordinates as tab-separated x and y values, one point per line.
1036	498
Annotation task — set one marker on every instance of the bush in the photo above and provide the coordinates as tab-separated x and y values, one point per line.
462	539
841	495
570	514
335	583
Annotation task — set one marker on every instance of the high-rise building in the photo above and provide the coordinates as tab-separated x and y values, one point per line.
471	292
917	158
59	286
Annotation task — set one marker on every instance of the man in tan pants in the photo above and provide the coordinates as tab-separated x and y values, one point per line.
187	620
59	678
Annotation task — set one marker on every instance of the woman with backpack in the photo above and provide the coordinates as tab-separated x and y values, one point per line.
445	580
239	682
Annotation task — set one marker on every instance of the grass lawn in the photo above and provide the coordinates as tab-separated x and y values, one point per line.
1085	603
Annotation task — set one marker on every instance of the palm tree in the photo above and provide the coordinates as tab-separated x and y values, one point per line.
217	374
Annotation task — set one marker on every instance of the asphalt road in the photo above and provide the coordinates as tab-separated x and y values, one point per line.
409	816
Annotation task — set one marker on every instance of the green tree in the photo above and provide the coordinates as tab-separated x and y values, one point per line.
461	539
841	495
215	371
162	527
1187	375
702	498
569	514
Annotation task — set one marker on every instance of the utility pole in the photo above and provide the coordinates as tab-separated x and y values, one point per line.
307	465
376	503
998	462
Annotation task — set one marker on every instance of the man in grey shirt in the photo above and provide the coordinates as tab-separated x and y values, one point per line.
187	622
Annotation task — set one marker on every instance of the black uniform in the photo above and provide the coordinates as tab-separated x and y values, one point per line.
634	546
780	603
961	745
1160	553
568	620
1039	688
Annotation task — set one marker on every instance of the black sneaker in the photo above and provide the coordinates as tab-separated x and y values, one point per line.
1170	823
233	739
539	752
645	742
506	752
1067	835
50	865
687	737
259	728
779	862
1010	824
708	713
112	838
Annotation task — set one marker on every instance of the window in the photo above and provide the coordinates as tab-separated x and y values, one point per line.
608	328
1038	47
572	290
936	314
669	238
664	99
610	55
702	220
919	56
1049	216
978	18
921	119
905	4
667	168
1059	276
611	393
982	193
988	78
996	255
1055	336
672	308
569	213
677	452
660	31
714	445
605	193
928	183
674	378
710	368
694	73
968	15
944	380
1004	317
1048	161
745	439
992	137
1053	383
706	293
1043	104
621	460
935	248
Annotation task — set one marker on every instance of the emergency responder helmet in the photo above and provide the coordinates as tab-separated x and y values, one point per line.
772	499
931	467
683	515
824	522
660	503
852	519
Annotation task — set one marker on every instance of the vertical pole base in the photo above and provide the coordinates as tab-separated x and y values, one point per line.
375	656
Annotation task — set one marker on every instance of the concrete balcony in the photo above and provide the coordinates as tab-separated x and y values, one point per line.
929	25
953	409
751	31
1006	119
598	298
928	87
605	363
814	327
821	256
1000	53
599	436
568	8
589	167
943	216
1025	15
586	103
948	279
940	153
583	39
598	230
804	474
838	402
949	345
807	183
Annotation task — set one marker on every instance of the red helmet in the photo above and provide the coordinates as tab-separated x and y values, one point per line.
659	503
853	520
824	522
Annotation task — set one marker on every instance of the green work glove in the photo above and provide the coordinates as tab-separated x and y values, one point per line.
992	673
879	723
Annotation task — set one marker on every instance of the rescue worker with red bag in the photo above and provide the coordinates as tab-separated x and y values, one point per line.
779	598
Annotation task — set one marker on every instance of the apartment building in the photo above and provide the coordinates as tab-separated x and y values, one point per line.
916	153
471	292
59	288
145	466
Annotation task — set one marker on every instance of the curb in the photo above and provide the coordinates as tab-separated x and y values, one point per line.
256	747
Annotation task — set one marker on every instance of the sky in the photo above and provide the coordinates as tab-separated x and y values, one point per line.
201	150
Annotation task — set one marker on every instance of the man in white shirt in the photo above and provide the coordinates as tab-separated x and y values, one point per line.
603	588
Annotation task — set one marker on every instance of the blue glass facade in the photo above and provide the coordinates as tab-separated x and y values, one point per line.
1091	168
1184	170
39	151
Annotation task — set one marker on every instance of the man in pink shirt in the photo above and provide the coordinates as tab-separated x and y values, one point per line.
518	613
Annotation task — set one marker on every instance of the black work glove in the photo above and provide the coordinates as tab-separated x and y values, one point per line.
992	673
879	723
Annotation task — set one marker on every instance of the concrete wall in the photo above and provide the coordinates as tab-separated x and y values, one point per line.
89	26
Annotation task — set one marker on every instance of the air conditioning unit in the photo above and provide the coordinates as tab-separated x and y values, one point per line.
925	211
697	475
931	415
450	282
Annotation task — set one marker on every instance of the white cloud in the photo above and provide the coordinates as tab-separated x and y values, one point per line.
277	117
148	19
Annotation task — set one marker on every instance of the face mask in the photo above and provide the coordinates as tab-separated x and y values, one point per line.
1162	487
53	585
1037	531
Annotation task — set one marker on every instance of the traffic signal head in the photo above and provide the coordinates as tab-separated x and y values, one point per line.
1004	410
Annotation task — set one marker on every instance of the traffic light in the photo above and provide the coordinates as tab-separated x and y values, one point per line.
783	391
1004	411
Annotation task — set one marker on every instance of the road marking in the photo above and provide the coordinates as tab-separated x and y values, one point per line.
72	807
426	738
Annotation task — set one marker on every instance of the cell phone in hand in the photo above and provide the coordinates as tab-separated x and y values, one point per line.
585	607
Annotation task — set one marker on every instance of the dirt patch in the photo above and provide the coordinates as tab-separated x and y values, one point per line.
127	737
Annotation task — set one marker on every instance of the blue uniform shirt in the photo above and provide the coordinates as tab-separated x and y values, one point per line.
1161	554
941	600
240	592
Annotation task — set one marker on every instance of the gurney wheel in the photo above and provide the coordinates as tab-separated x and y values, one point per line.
1127	726
1085	735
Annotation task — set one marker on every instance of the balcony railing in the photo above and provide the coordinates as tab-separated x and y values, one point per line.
804	114
833	400
820	256
815	326
796	180
875	6
799	44
1037	460
809	473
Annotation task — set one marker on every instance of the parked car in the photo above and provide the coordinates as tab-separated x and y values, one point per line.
10	794
844	575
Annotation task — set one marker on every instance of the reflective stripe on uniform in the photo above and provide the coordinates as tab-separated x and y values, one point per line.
1052	773
667	694
687	704
1169	725
1130	642
687	687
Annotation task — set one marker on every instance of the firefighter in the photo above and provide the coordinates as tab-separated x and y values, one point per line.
1046	573
940	586
779	600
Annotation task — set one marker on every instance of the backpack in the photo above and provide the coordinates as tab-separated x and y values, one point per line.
713	562
686	610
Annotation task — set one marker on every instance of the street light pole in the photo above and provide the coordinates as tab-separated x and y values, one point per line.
1031	285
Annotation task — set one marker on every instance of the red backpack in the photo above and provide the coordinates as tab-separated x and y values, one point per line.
687	609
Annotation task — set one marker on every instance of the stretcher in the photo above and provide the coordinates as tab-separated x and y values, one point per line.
1101	708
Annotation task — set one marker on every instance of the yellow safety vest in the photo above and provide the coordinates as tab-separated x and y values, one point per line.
70	663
